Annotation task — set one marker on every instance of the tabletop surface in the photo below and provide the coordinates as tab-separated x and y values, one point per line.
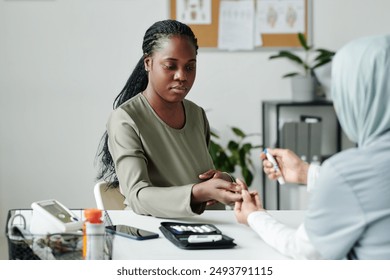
249	244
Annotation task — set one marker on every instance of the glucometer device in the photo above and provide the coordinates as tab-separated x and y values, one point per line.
50	216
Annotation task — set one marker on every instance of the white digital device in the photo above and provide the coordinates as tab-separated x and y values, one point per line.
204	238
276	166
50	216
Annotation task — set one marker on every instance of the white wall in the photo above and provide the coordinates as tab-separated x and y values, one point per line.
62	62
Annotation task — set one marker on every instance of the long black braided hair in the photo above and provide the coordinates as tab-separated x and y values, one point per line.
153	40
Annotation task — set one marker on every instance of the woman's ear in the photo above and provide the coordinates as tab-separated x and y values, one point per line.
147	63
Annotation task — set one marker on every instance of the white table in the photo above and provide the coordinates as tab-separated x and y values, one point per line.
249	244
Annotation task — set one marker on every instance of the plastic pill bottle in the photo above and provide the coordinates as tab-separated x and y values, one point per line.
93	238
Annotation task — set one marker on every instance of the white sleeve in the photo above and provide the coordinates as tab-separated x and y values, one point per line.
290	242
312	175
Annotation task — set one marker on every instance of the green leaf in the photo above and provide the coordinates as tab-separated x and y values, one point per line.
238	132
248	176
234	157
290	75
250	163
288	55
246	147
242	158
235	154
223	161
213	134
321	56
213	154
215	146
303	41
324	51
229	165
321	63
232	146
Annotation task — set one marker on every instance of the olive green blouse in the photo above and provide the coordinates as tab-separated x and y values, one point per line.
157	165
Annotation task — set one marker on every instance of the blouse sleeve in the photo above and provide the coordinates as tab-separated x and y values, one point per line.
312	175
290	242
131	168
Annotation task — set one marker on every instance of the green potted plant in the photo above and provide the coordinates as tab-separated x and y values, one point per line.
237	153
305	84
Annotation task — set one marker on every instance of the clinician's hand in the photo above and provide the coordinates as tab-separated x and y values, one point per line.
293	169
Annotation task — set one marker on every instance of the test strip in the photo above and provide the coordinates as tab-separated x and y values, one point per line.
206	229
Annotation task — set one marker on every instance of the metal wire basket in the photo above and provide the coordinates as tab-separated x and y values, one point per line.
22	245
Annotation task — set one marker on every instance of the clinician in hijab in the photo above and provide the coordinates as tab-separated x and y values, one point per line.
348	216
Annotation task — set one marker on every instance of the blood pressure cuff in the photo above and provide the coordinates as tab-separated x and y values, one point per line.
179	234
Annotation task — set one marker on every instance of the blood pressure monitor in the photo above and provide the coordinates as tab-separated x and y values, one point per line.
50	216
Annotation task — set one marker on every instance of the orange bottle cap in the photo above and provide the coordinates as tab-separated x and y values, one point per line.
93	215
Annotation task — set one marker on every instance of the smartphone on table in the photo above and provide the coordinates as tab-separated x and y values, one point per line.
131	232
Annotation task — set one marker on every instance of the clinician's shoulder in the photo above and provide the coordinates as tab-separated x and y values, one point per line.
377	152
346	162
340	158
358	166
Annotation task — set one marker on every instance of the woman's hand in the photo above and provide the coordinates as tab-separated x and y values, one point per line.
291	167
216	189
250	203
213	173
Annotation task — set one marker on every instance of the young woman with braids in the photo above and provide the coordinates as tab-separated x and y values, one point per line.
156	145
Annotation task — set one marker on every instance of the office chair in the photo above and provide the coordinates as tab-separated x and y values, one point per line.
108	198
